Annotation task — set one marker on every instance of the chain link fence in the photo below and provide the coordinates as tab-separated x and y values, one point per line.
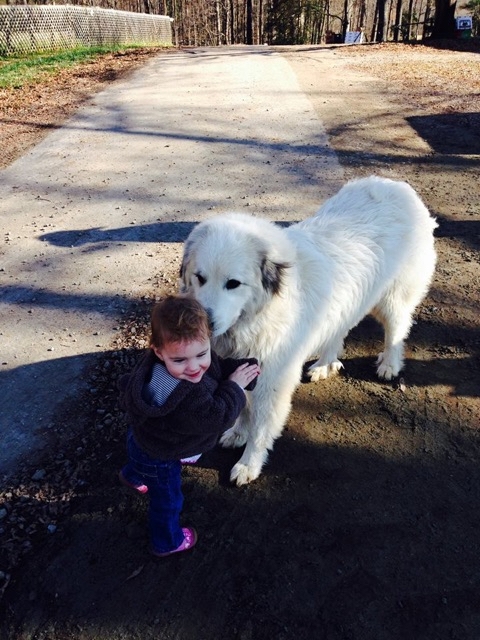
29	28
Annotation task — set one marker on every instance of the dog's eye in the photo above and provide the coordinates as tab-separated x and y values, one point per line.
232	284
201	279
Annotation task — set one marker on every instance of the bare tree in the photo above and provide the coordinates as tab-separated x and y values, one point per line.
398	21
346	18
444	24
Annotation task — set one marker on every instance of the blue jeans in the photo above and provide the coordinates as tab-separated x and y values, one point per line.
163	479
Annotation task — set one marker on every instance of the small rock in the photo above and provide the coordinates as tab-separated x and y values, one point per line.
39	475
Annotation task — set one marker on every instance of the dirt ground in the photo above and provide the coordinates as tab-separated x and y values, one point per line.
365	523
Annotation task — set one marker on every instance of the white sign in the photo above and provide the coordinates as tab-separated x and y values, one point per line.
354	37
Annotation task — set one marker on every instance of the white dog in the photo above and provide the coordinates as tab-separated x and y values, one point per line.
284	295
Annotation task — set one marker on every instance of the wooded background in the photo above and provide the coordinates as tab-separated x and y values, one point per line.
290	22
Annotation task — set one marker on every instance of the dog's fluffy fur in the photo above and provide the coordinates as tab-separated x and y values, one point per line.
284	295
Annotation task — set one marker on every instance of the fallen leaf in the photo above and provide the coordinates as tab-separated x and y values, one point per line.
135	573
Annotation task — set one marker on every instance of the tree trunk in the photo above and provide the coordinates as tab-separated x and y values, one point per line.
380	35
249	21
398	21
346	18
408	32
232	22
426	19
260	22
219	22
444	25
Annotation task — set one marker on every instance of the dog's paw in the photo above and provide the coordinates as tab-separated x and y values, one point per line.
321	373
385	369
233	438
243	474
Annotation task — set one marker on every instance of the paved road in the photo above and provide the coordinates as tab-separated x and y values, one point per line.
105	202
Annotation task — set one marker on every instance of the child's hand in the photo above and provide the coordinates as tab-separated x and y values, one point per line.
245	374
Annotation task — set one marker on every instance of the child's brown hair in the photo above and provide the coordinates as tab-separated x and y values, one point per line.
178	319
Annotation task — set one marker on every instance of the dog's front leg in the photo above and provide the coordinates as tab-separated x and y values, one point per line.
237	435
268	411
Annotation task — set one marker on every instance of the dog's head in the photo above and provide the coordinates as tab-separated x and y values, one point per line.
233	267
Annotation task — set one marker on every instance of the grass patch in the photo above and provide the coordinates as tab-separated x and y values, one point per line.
15	72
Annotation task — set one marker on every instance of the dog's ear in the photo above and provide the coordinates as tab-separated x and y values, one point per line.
198	233
182	282
183	268
272	274
187	250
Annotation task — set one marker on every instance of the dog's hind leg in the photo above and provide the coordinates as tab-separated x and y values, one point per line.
395	312
390	360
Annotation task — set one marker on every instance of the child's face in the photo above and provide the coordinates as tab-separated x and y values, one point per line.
186	360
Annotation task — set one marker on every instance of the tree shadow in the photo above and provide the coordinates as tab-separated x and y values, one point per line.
449	133
466	230
333	541
458	44
447	356
154	232
34	395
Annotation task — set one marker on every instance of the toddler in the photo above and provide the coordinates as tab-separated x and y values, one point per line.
178	399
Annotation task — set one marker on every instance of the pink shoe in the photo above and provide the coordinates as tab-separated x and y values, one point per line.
191	459
189	541
139	488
